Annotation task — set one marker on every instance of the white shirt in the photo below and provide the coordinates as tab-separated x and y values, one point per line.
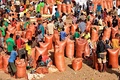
53	10
64	18
118	11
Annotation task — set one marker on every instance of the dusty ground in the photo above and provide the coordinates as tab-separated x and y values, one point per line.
86	73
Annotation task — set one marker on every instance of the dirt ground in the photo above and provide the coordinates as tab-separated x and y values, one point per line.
86	73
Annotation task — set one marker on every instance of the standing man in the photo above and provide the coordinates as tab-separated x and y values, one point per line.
82	25
10	43
51	27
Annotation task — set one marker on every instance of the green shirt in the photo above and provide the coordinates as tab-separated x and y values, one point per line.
10	43
76	35
38	7
42	4
6	24
3	31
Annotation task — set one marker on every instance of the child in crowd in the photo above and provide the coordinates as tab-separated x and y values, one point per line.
62	35
11	65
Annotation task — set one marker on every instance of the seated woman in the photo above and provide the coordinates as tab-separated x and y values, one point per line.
44	60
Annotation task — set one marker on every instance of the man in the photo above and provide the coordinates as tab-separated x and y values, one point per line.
10	43
62	35
114	21
82	25
11	65
41	28
101	54
51	27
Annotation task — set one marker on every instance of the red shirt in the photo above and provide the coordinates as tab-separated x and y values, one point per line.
19	43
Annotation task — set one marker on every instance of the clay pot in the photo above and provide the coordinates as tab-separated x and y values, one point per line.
77	64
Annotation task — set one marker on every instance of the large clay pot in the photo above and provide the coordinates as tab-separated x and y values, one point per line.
80	47
77	64
94	35
64	8
73	28
5	63
87	50
40	51
113	58
44	45
21	68
28	35
1	61
45	9
48	39
59	59
70	48
69	8
107	33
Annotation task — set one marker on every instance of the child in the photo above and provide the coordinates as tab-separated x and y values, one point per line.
11	65
62	35
44	60
76	34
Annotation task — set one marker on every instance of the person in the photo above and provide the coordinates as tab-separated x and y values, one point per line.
76	34
63	17
57	14
82	25
101	55
62	35
115	41
104	14
41	28
39	36
100	21
2	29
34	42
44	60
114	21
10	43
11	62
50	27
19	42
114	11
99	7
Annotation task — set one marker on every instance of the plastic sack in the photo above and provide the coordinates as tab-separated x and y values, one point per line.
94	35
5	63
80	47
59	59
40	51
69	8
64	8
42	70
1	61
87	50
28	35
107	33
77	64
48	39
59	7
114	31
70	48
33	57
45	9
44	45
113	58
21	68
73	28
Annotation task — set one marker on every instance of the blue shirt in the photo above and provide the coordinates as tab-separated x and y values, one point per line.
99	7
62	35
82	26
13	56
42	29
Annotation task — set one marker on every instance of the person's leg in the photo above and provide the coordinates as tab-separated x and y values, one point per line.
13	67
104	64
100	64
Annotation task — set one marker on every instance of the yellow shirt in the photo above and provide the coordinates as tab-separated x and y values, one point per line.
28	48
115	43
87	36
